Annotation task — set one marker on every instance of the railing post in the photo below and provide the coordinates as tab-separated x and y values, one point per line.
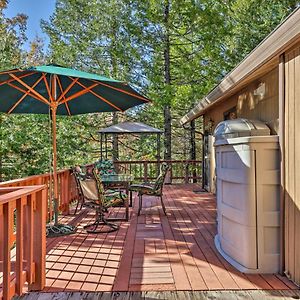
7	243
194	171
20	245
39	251
70	188
64	187
1	232
186	177
145	171
28	236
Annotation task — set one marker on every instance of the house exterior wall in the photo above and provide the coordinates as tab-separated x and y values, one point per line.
258	100
292	164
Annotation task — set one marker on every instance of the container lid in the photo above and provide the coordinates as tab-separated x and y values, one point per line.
239	128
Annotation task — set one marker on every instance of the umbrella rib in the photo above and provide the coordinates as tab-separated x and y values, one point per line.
101	98
47	87
123	91
12	79
23	91
61	89
67	89
10	71
80	93
30	88
24	96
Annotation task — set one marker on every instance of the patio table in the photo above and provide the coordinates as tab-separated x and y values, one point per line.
121	181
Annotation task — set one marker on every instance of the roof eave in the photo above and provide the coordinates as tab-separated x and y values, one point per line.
282	37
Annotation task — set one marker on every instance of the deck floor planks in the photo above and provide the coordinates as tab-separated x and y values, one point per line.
220	272
211	253
180	277
167	295
255	282
187	253
203	266
123	276
224	277
153	252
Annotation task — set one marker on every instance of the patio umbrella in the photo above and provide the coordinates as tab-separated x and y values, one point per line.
63	91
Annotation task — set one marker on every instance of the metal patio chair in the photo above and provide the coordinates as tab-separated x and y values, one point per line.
95	197
154	189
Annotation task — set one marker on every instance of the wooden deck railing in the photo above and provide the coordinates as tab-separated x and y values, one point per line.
67	188
22	239
26	206
183	171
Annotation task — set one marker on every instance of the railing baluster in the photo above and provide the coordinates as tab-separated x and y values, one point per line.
69	189
145	177
39	240
7	243
186	172
28	253
1	232
181	170
20	245
30	204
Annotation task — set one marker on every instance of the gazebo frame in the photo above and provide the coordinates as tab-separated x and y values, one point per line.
128	128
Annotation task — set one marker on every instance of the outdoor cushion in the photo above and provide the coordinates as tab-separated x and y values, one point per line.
139	186
109	198
114	198
146	189
105	167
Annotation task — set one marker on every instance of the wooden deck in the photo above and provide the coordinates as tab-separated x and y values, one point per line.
151	252
168	295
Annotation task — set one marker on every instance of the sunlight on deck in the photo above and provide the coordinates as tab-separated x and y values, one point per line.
150	252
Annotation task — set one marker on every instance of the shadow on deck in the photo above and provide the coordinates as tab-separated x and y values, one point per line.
151	252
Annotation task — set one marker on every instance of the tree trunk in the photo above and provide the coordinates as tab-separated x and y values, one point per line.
193	147
115	153
114	64
167	107
167	133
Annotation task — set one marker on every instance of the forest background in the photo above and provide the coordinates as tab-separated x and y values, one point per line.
173	51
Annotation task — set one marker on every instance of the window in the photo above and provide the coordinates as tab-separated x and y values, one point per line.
230	114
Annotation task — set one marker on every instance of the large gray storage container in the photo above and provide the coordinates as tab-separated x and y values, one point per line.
248	178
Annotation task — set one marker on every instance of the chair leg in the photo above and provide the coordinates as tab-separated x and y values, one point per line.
140	203
101	221
163	205
76	207
79	200
82	202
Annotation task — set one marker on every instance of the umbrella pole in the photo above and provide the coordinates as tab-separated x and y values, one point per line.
56	229
55	182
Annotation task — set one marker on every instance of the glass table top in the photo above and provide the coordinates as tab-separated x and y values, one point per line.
117	178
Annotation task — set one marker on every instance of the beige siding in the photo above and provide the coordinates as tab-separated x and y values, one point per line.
251	104
292	164
217	114
259	100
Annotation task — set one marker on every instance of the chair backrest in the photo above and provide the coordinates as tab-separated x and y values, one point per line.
89	189
90	186
159	182
105	167
78	174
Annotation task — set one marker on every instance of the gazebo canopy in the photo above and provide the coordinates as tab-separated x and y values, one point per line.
130	127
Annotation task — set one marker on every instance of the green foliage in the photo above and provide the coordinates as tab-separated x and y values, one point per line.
175	58
12	36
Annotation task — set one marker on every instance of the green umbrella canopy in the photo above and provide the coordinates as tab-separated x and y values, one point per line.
64	91
34	89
